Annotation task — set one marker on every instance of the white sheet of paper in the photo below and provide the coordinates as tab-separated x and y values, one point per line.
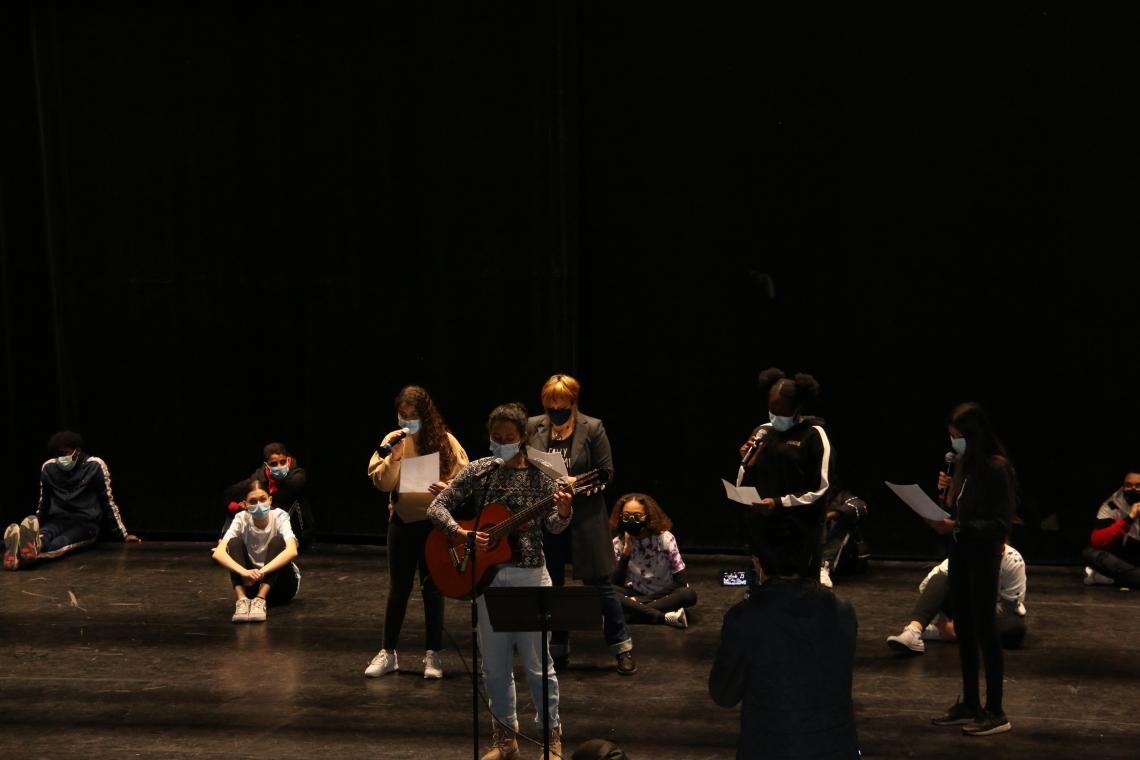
746	495
916	499
548	458
417	473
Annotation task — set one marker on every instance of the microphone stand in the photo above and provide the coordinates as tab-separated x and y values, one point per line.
472	558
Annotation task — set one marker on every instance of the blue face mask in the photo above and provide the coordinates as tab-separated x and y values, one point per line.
279	473
781	424
958	445
505	451
413	426
259	510
66	462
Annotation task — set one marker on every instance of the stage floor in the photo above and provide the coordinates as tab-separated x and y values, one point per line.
128	651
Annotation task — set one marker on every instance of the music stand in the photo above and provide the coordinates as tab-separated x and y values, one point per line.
539	608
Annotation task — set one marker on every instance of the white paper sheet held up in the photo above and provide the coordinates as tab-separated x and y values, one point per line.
417	473
548	458
746	495
917	500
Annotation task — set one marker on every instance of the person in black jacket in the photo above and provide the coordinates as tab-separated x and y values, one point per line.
788	651
982	497
76	507
286	482
582	443
789	458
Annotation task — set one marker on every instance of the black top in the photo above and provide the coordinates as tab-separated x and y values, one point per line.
793	467
788	652
985	503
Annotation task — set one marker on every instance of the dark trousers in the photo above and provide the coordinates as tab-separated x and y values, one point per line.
1120	566
935	598
556	547
282	582
60	537
406	555
651	609
973	592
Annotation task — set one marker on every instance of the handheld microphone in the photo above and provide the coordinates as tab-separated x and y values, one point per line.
760	434
385	449
950	458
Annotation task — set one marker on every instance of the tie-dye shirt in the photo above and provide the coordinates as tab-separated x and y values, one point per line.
653	560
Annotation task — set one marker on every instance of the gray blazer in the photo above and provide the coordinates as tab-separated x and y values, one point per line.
590	537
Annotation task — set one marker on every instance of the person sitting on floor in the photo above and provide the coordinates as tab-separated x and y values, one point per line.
844	551
258	549
76	506
1114	554
286	480
650	576
934	601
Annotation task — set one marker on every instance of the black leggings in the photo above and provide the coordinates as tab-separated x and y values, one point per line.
282	582
935	598
1119	565
974	569
651	609
406	554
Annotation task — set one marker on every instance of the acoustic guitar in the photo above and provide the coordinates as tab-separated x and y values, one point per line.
448	560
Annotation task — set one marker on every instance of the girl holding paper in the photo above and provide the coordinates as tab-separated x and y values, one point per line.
408	526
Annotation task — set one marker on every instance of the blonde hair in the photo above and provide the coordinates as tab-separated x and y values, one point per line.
560	388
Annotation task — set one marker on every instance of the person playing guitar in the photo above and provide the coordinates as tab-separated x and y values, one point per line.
507	478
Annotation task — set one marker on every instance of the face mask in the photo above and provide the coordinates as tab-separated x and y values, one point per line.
559	416
781	423
279	473
958	445
505	451
413	426
259	510
632	527
66	462
1131	497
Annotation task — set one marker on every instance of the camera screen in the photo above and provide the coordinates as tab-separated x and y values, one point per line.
734	578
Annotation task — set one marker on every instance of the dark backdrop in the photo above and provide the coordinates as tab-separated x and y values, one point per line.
222	225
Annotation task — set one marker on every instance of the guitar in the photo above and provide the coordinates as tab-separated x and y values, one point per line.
448	560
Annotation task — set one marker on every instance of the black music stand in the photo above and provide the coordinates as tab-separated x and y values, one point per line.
540	608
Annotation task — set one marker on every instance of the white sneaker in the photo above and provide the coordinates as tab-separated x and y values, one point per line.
677	618
908	641
931	633
825	576
382	664
1093	578
433	664
257	610
241	611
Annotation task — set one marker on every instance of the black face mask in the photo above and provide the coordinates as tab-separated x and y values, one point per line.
1131	497
632	527
559	416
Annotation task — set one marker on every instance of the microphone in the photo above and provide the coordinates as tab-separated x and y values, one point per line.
760	434
950	458
385	449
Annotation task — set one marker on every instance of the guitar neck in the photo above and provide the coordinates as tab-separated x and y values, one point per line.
526	514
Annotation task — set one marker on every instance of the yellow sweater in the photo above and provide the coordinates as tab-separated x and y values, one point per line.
385	475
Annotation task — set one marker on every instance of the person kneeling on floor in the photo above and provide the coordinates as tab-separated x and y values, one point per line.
258	550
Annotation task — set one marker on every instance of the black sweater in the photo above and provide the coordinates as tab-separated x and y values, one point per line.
793	467
985	502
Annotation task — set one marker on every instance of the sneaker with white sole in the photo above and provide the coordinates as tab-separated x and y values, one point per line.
12	547
909	641
677	618
825	576
382	664
1093	578
987	724
433	664
257	610
30	541
241	611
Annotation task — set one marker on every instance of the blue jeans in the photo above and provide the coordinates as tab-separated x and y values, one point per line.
498	657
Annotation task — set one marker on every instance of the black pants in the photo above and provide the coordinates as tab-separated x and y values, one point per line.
282	582
557	549
1121	566
974	567
651	609
406	555
935	598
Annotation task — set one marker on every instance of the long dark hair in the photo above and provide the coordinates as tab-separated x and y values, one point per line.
432	437
982	443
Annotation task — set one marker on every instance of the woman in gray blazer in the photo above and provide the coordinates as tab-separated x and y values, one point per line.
583	445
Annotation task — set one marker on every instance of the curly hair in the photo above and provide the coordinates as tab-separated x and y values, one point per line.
800	390
656	521
432	437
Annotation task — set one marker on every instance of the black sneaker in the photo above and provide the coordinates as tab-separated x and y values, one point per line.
987	724
958	715
625	664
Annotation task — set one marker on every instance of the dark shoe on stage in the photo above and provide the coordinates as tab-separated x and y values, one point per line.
12	547
988	724
625	664
30	539
958	715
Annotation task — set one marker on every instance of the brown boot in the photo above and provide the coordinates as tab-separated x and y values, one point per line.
504	745
556	741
